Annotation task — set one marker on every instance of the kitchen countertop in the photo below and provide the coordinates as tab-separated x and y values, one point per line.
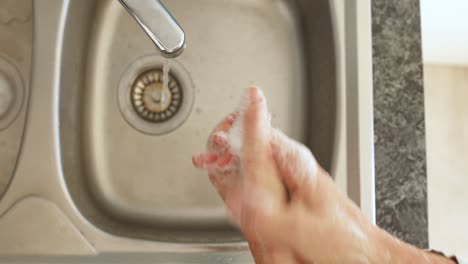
399	130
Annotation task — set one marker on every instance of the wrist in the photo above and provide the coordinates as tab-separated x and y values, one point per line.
389	249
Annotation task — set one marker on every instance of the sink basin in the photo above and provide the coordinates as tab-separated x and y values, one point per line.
107	147
15	66
132	182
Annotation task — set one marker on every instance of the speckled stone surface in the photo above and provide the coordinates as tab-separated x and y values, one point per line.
401	188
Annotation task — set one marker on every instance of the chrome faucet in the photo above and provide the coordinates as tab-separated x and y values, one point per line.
159	24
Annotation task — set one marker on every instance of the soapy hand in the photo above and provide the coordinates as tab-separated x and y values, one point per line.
235	151
286	205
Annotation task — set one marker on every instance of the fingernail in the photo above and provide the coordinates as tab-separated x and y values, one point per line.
256	94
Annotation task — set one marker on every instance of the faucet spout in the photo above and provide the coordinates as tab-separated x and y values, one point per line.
159	24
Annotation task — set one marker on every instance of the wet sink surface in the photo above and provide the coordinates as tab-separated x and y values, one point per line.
16	26
131	182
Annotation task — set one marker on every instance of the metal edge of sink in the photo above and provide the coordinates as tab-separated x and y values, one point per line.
39	171
360	105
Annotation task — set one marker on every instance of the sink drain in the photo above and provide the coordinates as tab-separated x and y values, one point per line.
155	95
153	100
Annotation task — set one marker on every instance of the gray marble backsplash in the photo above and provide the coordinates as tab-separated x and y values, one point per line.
400	157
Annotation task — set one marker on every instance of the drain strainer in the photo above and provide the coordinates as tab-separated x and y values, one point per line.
153	100
155	95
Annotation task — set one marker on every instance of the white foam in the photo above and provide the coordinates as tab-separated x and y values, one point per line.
235	135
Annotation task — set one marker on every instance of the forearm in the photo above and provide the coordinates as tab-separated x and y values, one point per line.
392	250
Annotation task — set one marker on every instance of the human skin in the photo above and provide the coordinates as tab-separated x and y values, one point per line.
286	205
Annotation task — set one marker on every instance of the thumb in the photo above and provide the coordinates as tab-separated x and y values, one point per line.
256	137
258	166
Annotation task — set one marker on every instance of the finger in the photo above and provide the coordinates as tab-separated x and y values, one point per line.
225	160
226	123
256	151
296	164
255	123
204	160
213	161
219	140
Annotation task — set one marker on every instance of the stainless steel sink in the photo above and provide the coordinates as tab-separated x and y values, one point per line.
144	185
118	169
15	66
